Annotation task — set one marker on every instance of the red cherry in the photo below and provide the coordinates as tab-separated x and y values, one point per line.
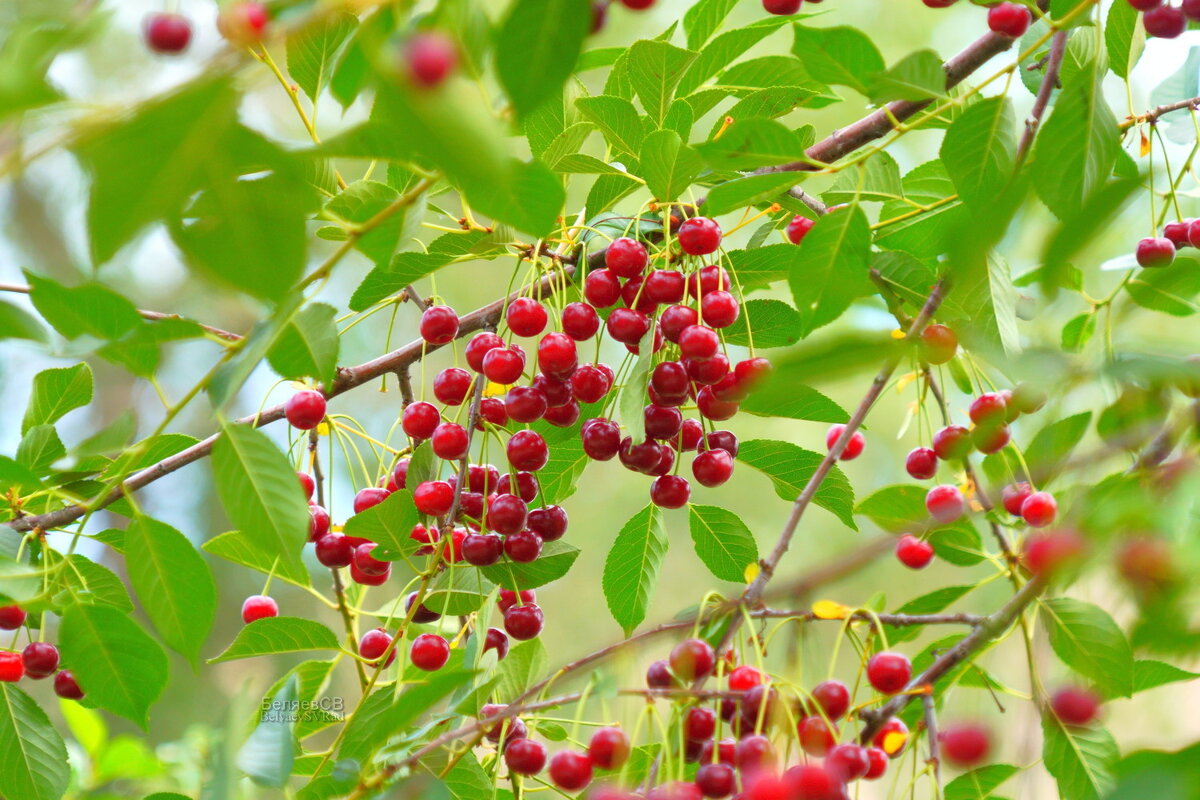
257	607
601	288
670	491
1009	19
307	484
799	227
889	672
754	752
40	659
558	392
692	659
1046	553
812	782
1013	497
609	748
637	5
698	342
556	355
833	697
1145	5
427	536
168	33
508	598
450	441
938	344
1165	22
374	643
965	745
699	723
848	762
305	409
877	762
526	316
990	408
783	8
66	686
362	578
527	450
945	503
482	549
751	372
708	372
423	614
699	236
11	617
626	257
853	448
496	639
921	463
709	279
627	326
368	564
1039	509
452	384
524	622
913	552
368	497
429	58
891	737
816	735
483	478
491	409
990	439
11	667
318	522
1147	564
722	440
480	345
434	498
580	321
504	365
243	23
523	547
744	677
952	442
334	550
665	286
712	408
571	770
525	756
439	325
675	319
549	522
506	513
420	420
712	467
525	404
1071	704
690	434
601	439
429	652
658	675
719	309
526	486
662	423
716	780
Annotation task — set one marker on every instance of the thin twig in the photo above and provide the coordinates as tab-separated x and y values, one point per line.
1058	48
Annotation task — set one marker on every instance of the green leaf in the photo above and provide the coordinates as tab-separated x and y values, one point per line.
308	345
85	581
530	198
537	45
174	584
55	392
557	480
363	200
389	524
721	52
88	309
1080	759
147	452
877	178
271	635
139	351
33	758
832	268
405	268
1081	229
1150	674
250	551
901	509
385	713
922	235
1078	332
702	19
979	784
840	56
784	397
555	561
16	323
1171	290
917	76
790	467
1124	38
1088	641
753	142
311	50
523	665
1181	84
631	401
668	165
768	323
759	267
631	569
616	118
353	66
257	486
722	541
20	581
1076	146
39	448
457	592
656	68
269	752
979	148
116	663
747	191
1049	450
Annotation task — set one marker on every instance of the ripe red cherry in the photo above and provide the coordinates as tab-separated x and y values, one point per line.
429	652
662	423
719	309
434	498
938	344
496	639
1155	251
524	622
482	549
257	607
712	408
168	33
952	442
848	762
889	672
712	278
921	463
570	770
504	365
66	686
799	227
590	383
726	751
1147	564
556	355
526	316
429	58
11	667
782	8
670	491
626	257
450	441
853	448
609	748
699	723
40	659
712	467
506	513
722	440
812	782
508	598
526	486
451	550
439	325
627	325
11	617
368	564
452	384
833	697
675	319
751	372
334	550
658	675
891	737
243	23
1013	497
368	497
1039	509
525	756
965	744
708	372
699	236
523	547
482	478
527	450
305	409
637	5
665	286
913	552
1009	19
580	321
491	409
698	342
1071	704
601	439
1177	232
816	735
1165	22
692	659
318	522
557	391
1046	553
480	345
690	434
744	678
307	484
945	503
602	288
420	420
716	780
754	752
877	761
1145	5
525	404
374	643
990	408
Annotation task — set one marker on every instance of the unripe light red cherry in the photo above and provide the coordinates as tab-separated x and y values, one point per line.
699	236
451	385
751	372
800	225
243	23
889	672
580	321
429	652
1047	553
945	503
853	448
921	463
913	552
305	409
524	622
1071	704
429	58
504	365
952	442
965	744
990	408
66	686
1009	19
938	344
1039	509
257	607
1165	22
626	257
990	438
40	659
753	753
433	498
168	33
609	748
692	659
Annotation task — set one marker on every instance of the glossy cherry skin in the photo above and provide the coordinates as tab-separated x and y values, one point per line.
877	762
716	780
12	668
168	33
66	686
580	321
965	745
601	439
496	639
506	513
439	325
423	615
799	227
1009	19
816	735
590	384
698	343
334	550
712	467
482	549
609	748
374	643
626	257
526	486
480	345
692	659
602	288
1071	704
524	622
257	607
420	420
889	672
712	408
429	58
318	522
921	463
452	384
1013	497
848	762
1164	22
833	697
40	659
12	617
570	770
433	498
699	236
527	450
719	309
670	491
658	675
754	752
369	497
634	296
526	316
508	598
945	503
662	423
549	522
952	442
429	652
525	404
366	563
1039	509
938	344
853	448
665	286
990	439
675	319
305	409
913	552
525	756
523	547
627	326
556	355
504	365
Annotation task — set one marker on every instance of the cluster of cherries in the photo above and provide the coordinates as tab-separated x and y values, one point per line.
1159	251
1165	20
745	764
37	660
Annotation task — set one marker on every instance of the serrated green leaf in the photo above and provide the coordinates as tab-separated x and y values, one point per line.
405	268
1124	38
747	191
457	592
631	569
85	581
790	467
536	48
922	235
363	200
271	635
555	561
722	541
1049	450
524	664
33	758
1150	674
722	50
250	551
1088	641
702	19
832	269
308	345
1080	759
56	392
1171	290
753	142
385	713
766	323
146	452
840	55
269	752
668	165
656	67
616	118
901	509
311	50
89	309
876	179
917	76
979	148
389	524
39	448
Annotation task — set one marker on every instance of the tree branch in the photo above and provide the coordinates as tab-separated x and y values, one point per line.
1153	114
1058	48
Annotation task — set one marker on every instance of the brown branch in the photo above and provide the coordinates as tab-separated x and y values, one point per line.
931	737
1058	48
1152	116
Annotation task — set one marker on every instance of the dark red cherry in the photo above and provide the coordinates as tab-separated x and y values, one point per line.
549	522
168	33
601	439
